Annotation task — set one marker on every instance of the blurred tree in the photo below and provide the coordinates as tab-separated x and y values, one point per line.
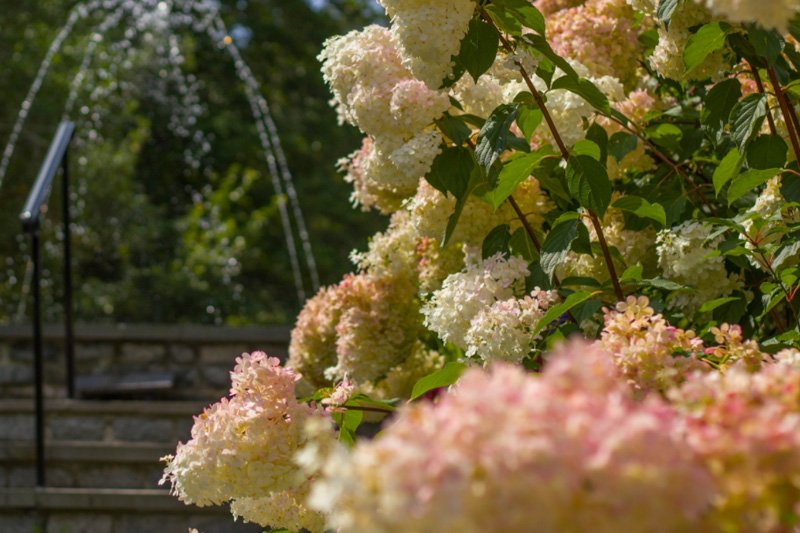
175	217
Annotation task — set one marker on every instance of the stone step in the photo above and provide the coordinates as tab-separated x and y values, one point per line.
100	421
199	357
84	464
75	510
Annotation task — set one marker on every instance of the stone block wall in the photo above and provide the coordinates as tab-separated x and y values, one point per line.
200	356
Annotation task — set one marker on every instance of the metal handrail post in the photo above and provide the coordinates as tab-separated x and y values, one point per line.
38	358
69	339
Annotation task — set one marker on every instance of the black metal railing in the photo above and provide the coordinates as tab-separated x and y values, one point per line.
57	157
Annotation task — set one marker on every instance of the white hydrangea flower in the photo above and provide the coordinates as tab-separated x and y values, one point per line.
429	33
464	295
503	331
684	255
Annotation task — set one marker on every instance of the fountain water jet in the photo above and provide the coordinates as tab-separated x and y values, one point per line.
201	17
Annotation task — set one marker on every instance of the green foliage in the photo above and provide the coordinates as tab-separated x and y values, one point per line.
444	377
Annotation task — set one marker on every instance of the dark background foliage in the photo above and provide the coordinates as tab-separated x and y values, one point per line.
165	230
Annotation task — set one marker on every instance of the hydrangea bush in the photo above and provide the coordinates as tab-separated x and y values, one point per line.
583	314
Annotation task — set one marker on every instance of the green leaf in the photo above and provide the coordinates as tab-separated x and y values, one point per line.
452	170
493	137
587	147
642	208
586	90
512	174
597	134
476	181
708	39
522	10
528	119
632	273
661	283
540	44
719	102
666	135
621	144
767	43
588	182
496	241
713	304
558	242
727	169
563	308
454	128
348	422
665	10
790	188
478	48
767	151
444	377
746	119
749	180
521	244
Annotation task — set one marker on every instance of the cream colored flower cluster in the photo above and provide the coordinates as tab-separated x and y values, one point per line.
450	310
504	330
599	34
242	448
686	256
650	353
360	328
374	91
771	14
429	33
506	451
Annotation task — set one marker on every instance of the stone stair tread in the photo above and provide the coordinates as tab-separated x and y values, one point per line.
87	451
133	383
90	499
110	407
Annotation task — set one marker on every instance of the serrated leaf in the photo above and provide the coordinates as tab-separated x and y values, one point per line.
454	129
558	242
790	188
767	151
348	422
478	48
727	169
477	181
527	15
452	170
521	244
586	90
587	147
632	273
528	119
621	144
666	135
563	308
444	377
512	174
713	304
767	43
746	119
588	182
749	180
708	39
642	208
719	102
493	137
661	283
540	44
496	241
